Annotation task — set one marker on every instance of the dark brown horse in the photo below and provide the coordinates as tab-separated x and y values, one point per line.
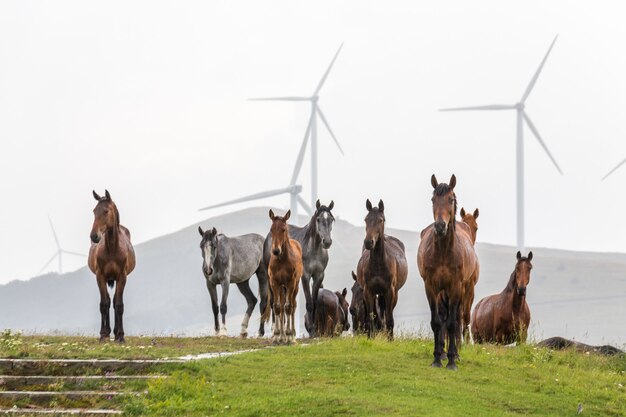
111	258
446	261
357	309
331	313
284	271
382	270
504	318
468	291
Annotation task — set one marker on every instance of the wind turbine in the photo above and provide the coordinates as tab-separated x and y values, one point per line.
60	251
522	116
614	169
311	130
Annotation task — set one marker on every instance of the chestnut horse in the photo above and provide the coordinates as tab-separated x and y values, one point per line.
470	220
504	318
111	258
468	290
381	271
284	272
446	261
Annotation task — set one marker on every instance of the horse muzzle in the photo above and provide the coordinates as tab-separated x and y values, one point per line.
326	243
95	238
368	243
441	228
276	251
521	291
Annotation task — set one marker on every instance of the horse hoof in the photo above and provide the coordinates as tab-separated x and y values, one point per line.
120	340
244	335
452	367
436	364
104	339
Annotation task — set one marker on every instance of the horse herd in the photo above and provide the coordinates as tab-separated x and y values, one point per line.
290	255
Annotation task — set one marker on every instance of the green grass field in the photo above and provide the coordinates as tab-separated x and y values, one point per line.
355	376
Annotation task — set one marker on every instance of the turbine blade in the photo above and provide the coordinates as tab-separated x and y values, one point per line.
533	80
319	111
541	142
305	206
323	80
69	252
300	159
251	197
48	263
56	239
281	99
614	169
487	107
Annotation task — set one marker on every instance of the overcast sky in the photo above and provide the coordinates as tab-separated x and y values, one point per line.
149	100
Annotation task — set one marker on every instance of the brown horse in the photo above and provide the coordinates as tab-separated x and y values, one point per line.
504	318
446	261
381	271
284	271
111	258
468	291
331	313
470	220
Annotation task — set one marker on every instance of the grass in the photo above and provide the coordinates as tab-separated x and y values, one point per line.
357	376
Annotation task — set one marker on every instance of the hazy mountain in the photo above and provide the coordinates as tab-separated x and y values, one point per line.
572	294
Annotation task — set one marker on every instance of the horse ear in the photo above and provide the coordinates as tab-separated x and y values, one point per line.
287	215
433	181
519	255
476	213
368	205
331	205
272	214
318	204
95	195
214	231
201	231
353	276
381	205
107	195
462	212
344	292
530	255
452	181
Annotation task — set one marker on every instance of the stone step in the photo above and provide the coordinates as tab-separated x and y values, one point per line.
62	399
18	382
78	366
28	412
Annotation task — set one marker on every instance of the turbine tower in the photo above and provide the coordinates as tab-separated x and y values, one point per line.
311	130
522	116
60	251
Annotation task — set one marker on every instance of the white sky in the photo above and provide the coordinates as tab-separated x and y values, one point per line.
148	99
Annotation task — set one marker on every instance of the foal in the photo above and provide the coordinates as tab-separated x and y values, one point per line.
111	258
504	318
284	271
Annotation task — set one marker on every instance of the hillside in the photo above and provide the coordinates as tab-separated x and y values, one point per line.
572	294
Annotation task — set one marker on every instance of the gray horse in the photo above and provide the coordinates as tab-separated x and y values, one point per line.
233	260
315	239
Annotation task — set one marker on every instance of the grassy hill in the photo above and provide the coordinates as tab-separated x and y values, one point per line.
572	294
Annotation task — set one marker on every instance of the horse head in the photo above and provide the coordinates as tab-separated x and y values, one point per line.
374	224
208	246
279	231
105	216
324	220
522	272
343	305
444	204
470	220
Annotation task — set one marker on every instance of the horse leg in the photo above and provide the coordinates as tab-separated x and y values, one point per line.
290	309
467	312
310	302
244	288
435	324
389	304
370	311
454	316
317	284
213	293
118	304
276	309
225	287
263	288
105	304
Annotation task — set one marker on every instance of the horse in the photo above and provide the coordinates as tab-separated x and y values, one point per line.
446	262
468	291
111	259
382	270
233	260
315	240
331	313
357	308
470	220
504	318
559	343
284	270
